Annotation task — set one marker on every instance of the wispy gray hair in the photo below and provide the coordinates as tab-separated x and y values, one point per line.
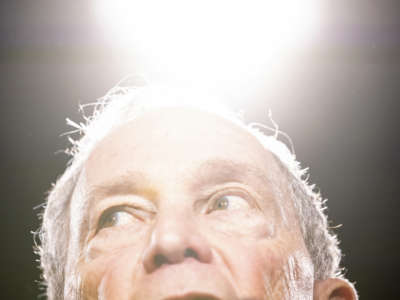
122	104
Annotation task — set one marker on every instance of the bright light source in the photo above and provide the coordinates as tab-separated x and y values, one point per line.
210	39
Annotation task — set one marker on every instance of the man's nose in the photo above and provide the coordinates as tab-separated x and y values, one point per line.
173	240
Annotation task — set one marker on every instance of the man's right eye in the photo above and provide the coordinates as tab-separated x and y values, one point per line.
115	217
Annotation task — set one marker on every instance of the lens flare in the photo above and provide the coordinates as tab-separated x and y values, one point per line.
210	39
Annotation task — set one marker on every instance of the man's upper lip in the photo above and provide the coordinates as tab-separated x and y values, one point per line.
194	296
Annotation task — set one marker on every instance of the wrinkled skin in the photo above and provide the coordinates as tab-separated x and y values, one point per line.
182	204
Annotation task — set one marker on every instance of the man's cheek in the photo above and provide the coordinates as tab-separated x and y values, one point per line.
263	271
118	281
110	241
287	273
91	275
251	264
110	275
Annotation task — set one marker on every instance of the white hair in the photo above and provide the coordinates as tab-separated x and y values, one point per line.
123	104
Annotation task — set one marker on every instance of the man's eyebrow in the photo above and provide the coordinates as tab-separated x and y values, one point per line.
215	171
210	172
128	183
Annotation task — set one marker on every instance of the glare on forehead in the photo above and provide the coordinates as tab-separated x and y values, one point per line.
178	135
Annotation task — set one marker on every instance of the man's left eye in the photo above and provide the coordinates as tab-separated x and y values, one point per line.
229	202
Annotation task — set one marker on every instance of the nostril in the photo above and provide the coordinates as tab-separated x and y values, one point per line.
190	253
160	259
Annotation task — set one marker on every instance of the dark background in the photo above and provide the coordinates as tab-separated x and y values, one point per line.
338	101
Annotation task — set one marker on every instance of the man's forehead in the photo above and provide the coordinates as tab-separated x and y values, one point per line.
179	138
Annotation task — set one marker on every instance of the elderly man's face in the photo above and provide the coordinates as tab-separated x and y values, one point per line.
182	204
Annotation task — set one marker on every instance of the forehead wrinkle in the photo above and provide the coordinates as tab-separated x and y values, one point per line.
131	182
216	171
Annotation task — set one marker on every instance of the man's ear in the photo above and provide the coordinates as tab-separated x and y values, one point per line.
334	289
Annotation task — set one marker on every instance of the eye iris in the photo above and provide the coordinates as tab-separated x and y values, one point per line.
222	203
115	218
111	220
